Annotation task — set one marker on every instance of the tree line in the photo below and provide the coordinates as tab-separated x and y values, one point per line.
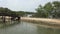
8	12
49	10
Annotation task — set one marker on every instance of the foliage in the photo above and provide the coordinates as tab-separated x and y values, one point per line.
8	12
49	9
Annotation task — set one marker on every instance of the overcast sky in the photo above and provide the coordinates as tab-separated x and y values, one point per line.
23	5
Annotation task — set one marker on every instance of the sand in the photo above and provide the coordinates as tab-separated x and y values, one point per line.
53	22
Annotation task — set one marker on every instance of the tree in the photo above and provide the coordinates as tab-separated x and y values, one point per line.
41	12
49	9
56	5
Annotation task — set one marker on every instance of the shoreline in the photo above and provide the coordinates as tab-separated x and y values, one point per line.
45	22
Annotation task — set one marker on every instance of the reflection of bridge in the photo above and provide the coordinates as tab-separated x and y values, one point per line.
11	16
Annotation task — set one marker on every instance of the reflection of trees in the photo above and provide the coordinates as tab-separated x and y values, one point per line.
43	30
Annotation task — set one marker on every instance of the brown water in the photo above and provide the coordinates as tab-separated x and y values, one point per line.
28	28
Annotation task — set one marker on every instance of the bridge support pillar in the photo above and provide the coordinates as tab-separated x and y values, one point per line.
3	19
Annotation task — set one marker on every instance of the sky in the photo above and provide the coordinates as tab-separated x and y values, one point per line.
23	5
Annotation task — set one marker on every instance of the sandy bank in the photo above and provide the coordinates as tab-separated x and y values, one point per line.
55	21
44	21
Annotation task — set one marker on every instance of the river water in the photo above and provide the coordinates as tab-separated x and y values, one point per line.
28	28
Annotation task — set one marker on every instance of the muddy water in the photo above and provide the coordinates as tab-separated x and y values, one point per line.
28	28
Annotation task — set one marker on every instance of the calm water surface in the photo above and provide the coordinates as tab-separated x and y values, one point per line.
28	28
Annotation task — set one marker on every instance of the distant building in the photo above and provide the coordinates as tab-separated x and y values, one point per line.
27	15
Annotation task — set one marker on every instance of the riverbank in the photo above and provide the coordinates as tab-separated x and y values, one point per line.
45	22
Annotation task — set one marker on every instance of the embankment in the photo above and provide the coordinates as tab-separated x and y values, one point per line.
45	22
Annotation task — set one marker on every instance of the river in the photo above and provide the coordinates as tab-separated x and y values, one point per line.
28	28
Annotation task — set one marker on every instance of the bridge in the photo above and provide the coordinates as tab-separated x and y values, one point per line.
12	16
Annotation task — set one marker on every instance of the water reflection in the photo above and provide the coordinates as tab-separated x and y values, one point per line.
28	28
8	23
22	28
42	30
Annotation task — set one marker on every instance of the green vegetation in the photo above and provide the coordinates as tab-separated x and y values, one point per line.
6	11
49	10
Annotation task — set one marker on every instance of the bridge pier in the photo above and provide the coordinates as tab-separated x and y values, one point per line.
3	19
